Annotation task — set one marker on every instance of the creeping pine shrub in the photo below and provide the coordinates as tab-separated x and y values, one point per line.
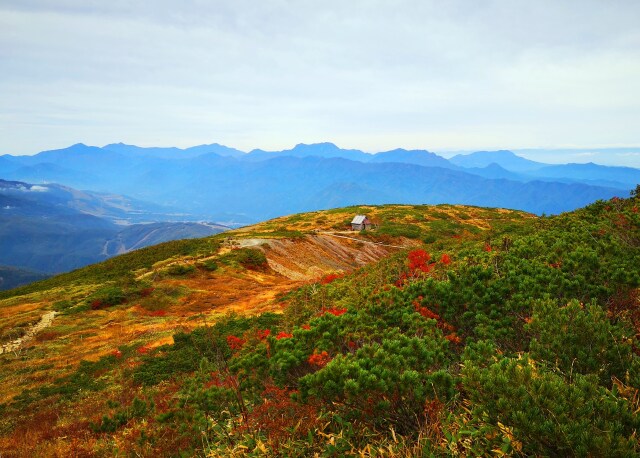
107	297
109	424
177	270
249	258
210	265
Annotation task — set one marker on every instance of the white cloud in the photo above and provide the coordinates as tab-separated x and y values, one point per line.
366	74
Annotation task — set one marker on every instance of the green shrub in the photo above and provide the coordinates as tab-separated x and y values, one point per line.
107	297
249	258
210	264
399	230
179	270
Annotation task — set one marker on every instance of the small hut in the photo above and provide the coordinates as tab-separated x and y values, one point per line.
360	223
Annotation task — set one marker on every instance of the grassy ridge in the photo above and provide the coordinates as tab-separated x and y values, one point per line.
500	334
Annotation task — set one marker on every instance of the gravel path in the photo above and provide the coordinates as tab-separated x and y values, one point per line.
44	322
332	234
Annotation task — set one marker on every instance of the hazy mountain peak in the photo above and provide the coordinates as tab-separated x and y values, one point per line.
505	158
316	145
118	145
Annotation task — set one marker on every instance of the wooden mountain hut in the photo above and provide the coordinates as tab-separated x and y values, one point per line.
360	222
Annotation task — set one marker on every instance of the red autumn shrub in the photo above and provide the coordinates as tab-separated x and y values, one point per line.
333	311
330	277
235	343
419	260
262	334
402	279
425	312
281	418
283	335
445	259
453	338
220	381
319	359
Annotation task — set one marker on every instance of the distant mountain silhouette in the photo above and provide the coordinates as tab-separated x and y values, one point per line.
217	183
505	159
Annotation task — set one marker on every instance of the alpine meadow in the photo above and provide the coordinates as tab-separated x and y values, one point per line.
284	229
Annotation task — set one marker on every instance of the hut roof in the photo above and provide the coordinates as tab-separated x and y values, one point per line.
359	219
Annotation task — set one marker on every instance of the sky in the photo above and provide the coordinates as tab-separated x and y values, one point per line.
456	75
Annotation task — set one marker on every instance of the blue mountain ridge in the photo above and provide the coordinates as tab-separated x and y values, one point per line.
213	180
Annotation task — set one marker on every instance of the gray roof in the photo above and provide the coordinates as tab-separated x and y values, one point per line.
359	219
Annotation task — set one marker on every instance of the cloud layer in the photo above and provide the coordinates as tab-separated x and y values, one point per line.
365	74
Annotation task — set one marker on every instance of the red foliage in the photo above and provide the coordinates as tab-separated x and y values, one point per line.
425	312
621	221
419	260
283	335
262	334
445	259
333	311
330	277
143	350
634	209
453	338
221	382
402	279
157	313
487	247
117	353
319	359
306	326
235	343
281	418
418	264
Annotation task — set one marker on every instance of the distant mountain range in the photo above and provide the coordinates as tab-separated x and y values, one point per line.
218	183
49	228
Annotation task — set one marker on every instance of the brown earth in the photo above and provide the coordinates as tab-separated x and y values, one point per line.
205	296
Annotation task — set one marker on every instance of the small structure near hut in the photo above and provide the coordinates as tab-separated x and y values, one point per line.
360	223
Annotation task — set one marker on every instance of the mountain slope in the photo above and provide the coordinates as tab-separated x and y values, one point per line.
443	325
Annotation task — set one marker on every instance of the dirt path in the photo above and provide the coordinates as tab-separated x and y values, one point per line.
44	322
332	234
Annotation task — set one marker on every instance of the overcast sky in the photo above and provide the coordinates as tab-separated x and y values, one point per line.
373	75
